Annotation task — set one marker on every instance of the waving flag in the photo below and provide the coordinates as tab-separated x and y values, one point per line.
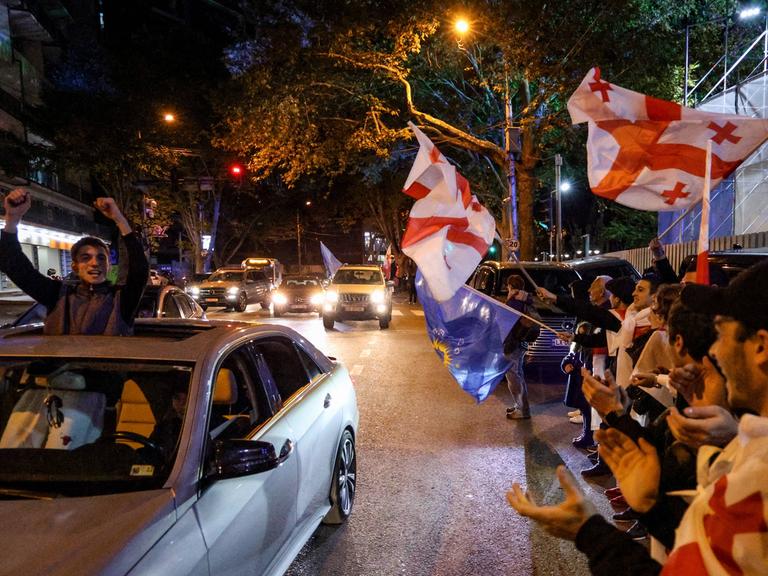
702	253
648	153
329	260
467	332
448	231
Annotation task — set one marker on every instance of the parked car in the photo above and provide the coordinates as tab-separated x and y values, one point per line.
234	288
189	448
732	262
157	302
156	279
593	266
298	293
491	278
358	293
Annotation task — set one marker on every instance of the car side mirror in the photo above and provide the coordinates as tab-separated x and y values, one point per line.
233	458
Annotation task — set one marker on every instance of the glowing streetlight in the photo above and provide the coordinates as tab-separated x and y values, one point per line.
461	26
749	12
565	186
169	118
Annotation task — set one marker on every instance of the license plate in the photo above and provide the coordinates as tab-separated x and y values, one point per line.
354	308
558	342
211	299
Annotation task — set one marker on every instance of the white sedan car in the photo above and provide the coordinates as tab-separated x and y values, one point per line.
189	448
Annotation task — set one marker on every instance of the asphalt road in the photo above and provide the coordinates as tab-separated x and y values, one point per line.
434	466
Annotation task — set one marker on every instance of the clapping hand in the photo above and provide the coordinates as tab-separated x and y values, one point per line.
563	520
688	381
636	467
603	396
700	425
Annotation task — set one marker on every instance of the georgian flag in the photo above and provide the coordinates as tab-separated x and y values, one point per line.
448	230
648	153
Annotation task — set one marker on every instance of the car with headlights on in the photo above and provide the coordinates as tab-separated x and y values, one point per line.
358	293
191	447
298	293
234	288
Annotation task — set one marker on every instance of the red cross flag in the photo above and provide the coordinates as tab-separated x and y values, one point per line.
650	154
448	230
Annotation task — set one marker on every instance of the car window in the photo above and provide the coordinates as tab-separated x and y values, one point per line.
185	306
284	364
311	367
358	277
147	306
170	308
87	427
226	276
556	280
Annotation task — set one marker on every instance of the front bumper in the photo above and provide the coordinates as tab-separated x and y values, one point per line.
357	311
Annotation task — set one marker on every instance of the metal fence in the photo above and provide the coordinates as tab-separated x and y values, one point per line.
641	257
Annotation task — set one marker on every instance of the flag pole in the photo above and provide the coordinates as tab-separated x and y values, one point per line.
524	271
522	314
678	219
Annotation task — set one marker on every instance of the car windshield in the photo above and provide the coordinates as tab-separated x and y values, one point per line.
357	277
84	427
227	276
301	283
555	280
148	306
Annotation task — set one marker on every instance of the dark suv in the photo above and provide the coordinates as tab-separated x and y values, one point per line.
491	278
593	266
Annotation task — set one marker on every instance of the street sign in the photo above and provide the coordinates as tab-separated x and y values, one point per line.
512	244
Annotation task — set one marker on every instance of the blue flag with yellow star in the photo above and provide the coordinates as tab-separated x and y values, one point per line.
467	332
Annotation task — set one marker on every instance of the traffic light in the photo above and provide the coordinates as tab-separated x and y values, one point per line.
494	251
236	170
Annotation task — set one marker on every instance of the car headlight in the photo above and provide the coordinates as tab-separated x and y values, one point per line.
316	299
332	296
233	291
377	296
194	291
279	299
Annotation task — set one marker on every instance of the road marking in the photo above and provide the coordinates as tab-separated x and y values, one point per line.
418	312
365	353
396	313
357	369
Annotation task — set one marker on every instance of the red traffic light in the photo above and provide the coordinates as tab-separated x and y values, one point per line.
236	170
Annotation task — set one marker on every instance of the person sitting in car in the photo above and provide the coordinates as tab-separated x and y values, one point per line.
92	305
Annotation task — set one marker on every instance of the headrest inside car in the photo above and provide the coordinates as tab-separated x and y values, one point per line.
62	381
225	389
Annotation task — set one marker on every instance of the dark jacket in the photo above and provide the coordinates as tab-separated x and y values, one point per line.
80	308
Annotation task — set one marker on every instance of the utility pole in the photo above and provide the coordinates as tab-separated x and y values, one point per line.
513	238
559	230
298	239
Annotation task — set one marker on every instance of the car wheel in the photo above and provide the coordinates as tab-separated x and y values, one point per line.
384	322
242	302
344	481
328	322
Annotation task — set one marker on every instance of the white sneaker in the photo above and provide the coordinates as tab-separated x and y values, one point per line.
574	413
576	419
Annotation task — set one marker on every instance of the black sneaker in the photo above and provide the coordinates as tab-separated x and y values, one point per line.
599	469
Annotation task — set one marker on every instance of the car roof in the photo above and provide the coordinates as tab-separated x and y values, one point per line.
595	260
533	265
360	267
153	339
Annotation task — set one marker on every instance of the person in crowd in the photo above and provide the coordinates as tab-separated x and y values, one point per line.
515	346
724	528
92	305
410	272
667	275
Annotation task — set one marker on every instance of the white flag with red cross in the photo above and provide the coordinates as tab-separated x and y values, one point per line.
448	231
650	154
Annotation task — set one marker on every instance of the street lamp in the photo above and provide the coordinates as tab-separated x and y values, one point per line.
298	232
169	118
462	27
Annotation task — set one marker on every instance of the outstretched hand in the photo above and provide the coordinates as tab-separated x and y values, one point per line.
108	207
657	249
546	295
603	396
710	425
636	467
563	520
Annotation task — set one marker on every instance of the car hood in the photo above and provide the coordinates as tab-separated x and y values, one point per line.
301	290
80	536
357	288
221	284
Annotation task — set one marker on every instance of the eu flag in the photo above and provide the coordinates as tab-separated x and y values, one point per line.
467	332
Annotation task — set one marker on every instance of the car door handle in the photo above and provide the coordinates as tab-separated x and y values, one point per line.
327	401
285	451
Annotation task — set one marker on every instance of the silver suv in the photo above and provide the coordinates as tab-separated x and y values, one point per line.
358	293
233	288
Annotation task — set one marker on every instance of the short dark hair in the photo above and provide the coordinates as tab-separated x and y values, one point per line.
622	288
652	279
87	241
515	282
696	328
